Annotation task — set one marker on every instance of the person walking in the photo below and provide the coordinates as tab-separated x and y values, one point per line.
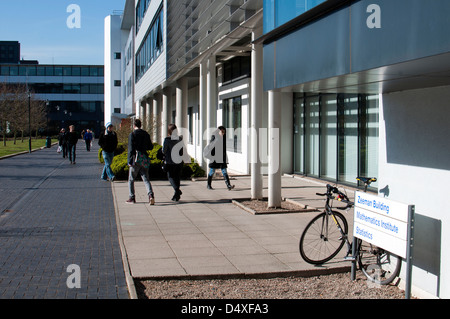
139	143
108	142
62	139
173	160
88	139
216	150
72	140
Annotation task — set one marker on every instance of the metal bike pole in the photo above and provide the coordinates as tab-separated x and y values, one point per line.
353	270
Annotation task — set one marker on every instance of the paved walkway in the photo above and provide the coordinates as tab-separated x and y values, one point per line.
206	235
53	215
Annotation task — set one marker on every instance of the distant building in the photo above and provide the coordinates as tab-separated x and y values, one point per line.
74	93
9	52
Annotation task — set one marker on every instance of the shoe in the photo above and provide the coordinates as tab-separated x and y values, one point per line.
177	196
227	182
131	201
151	200
208	186
112	179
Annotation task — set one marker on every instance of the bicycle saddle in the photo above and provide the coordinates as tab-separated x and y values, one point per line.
367	180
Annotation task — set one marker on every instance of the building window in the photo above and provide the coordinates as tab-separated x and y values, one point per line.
85	71
278	12
117	110
232	121
117	83
336	136
76	71
141	9
151	46
236	69
117	55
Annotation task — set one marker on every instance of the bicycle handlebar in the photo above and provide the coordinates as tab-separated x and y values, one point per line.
331	190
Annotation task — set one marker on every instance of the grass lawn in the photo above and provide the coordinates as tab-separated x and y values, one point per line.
10	148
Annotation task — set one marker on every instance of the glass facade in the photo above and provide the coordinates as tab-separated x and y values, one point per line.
51	70
151	46
232	121
141	10
67	90
336	136
278	12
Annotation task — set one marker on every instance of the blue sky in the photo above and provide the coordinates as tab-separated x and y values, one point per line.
41	28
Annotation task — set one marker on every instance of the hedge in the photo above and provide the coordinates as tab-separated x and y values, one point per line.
120	165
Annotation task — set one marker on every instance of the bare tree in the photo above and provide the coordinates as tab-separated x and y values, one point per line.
14	112
6	107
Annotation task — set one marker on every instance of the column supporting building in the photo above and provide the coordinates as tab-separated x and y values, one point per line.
211	95
274	149
202	110
166	97
256	116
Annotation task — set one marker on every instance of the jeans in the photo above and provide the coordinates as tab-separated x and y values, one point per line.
107	171
133	173
213	170
174	176
72	152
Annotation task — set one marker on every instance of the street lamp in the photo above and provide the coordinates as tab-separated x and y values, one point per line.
29	121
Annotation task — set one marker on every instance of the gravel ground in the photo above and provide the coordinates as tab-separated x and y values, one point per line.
336	286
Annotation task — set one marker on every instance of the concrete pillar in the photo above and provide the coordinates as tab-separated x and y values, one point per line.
148	115
155	120
165	112
211	94
256	116
274	122
181	103
202	110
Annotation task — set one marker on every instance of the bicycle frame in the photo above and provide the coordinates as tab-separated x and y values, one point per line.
329	211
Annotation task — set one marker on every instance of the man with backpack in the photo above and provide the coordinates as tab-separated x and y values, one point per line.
139	143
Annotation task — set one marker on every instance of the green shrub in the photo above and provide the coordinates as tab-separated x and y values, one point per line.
119	150
120	165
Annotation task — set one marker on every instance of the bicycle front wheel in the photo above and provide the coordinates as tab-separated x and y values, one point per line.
322	239
378	265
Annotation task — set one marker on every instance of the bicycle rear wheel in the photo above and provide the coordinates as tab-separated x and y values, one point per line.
378	265
322	240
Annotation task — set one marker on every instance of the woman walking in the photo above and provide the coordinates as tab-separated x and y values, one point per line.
217	150
173	161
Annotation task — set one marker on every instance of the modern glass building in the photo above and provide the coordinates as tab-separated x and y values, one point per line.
370	83
74	93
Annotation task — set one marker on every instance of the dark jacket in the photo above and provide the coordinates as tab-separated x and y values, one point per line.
62	138
87	136
108	142
140	141
168	145
222	141
72	138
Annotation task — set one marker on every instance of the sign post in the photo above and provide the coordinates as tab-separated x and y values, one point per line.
386	224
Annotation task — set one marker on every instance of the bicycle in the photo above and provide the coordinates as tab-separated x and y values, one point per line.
326	234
